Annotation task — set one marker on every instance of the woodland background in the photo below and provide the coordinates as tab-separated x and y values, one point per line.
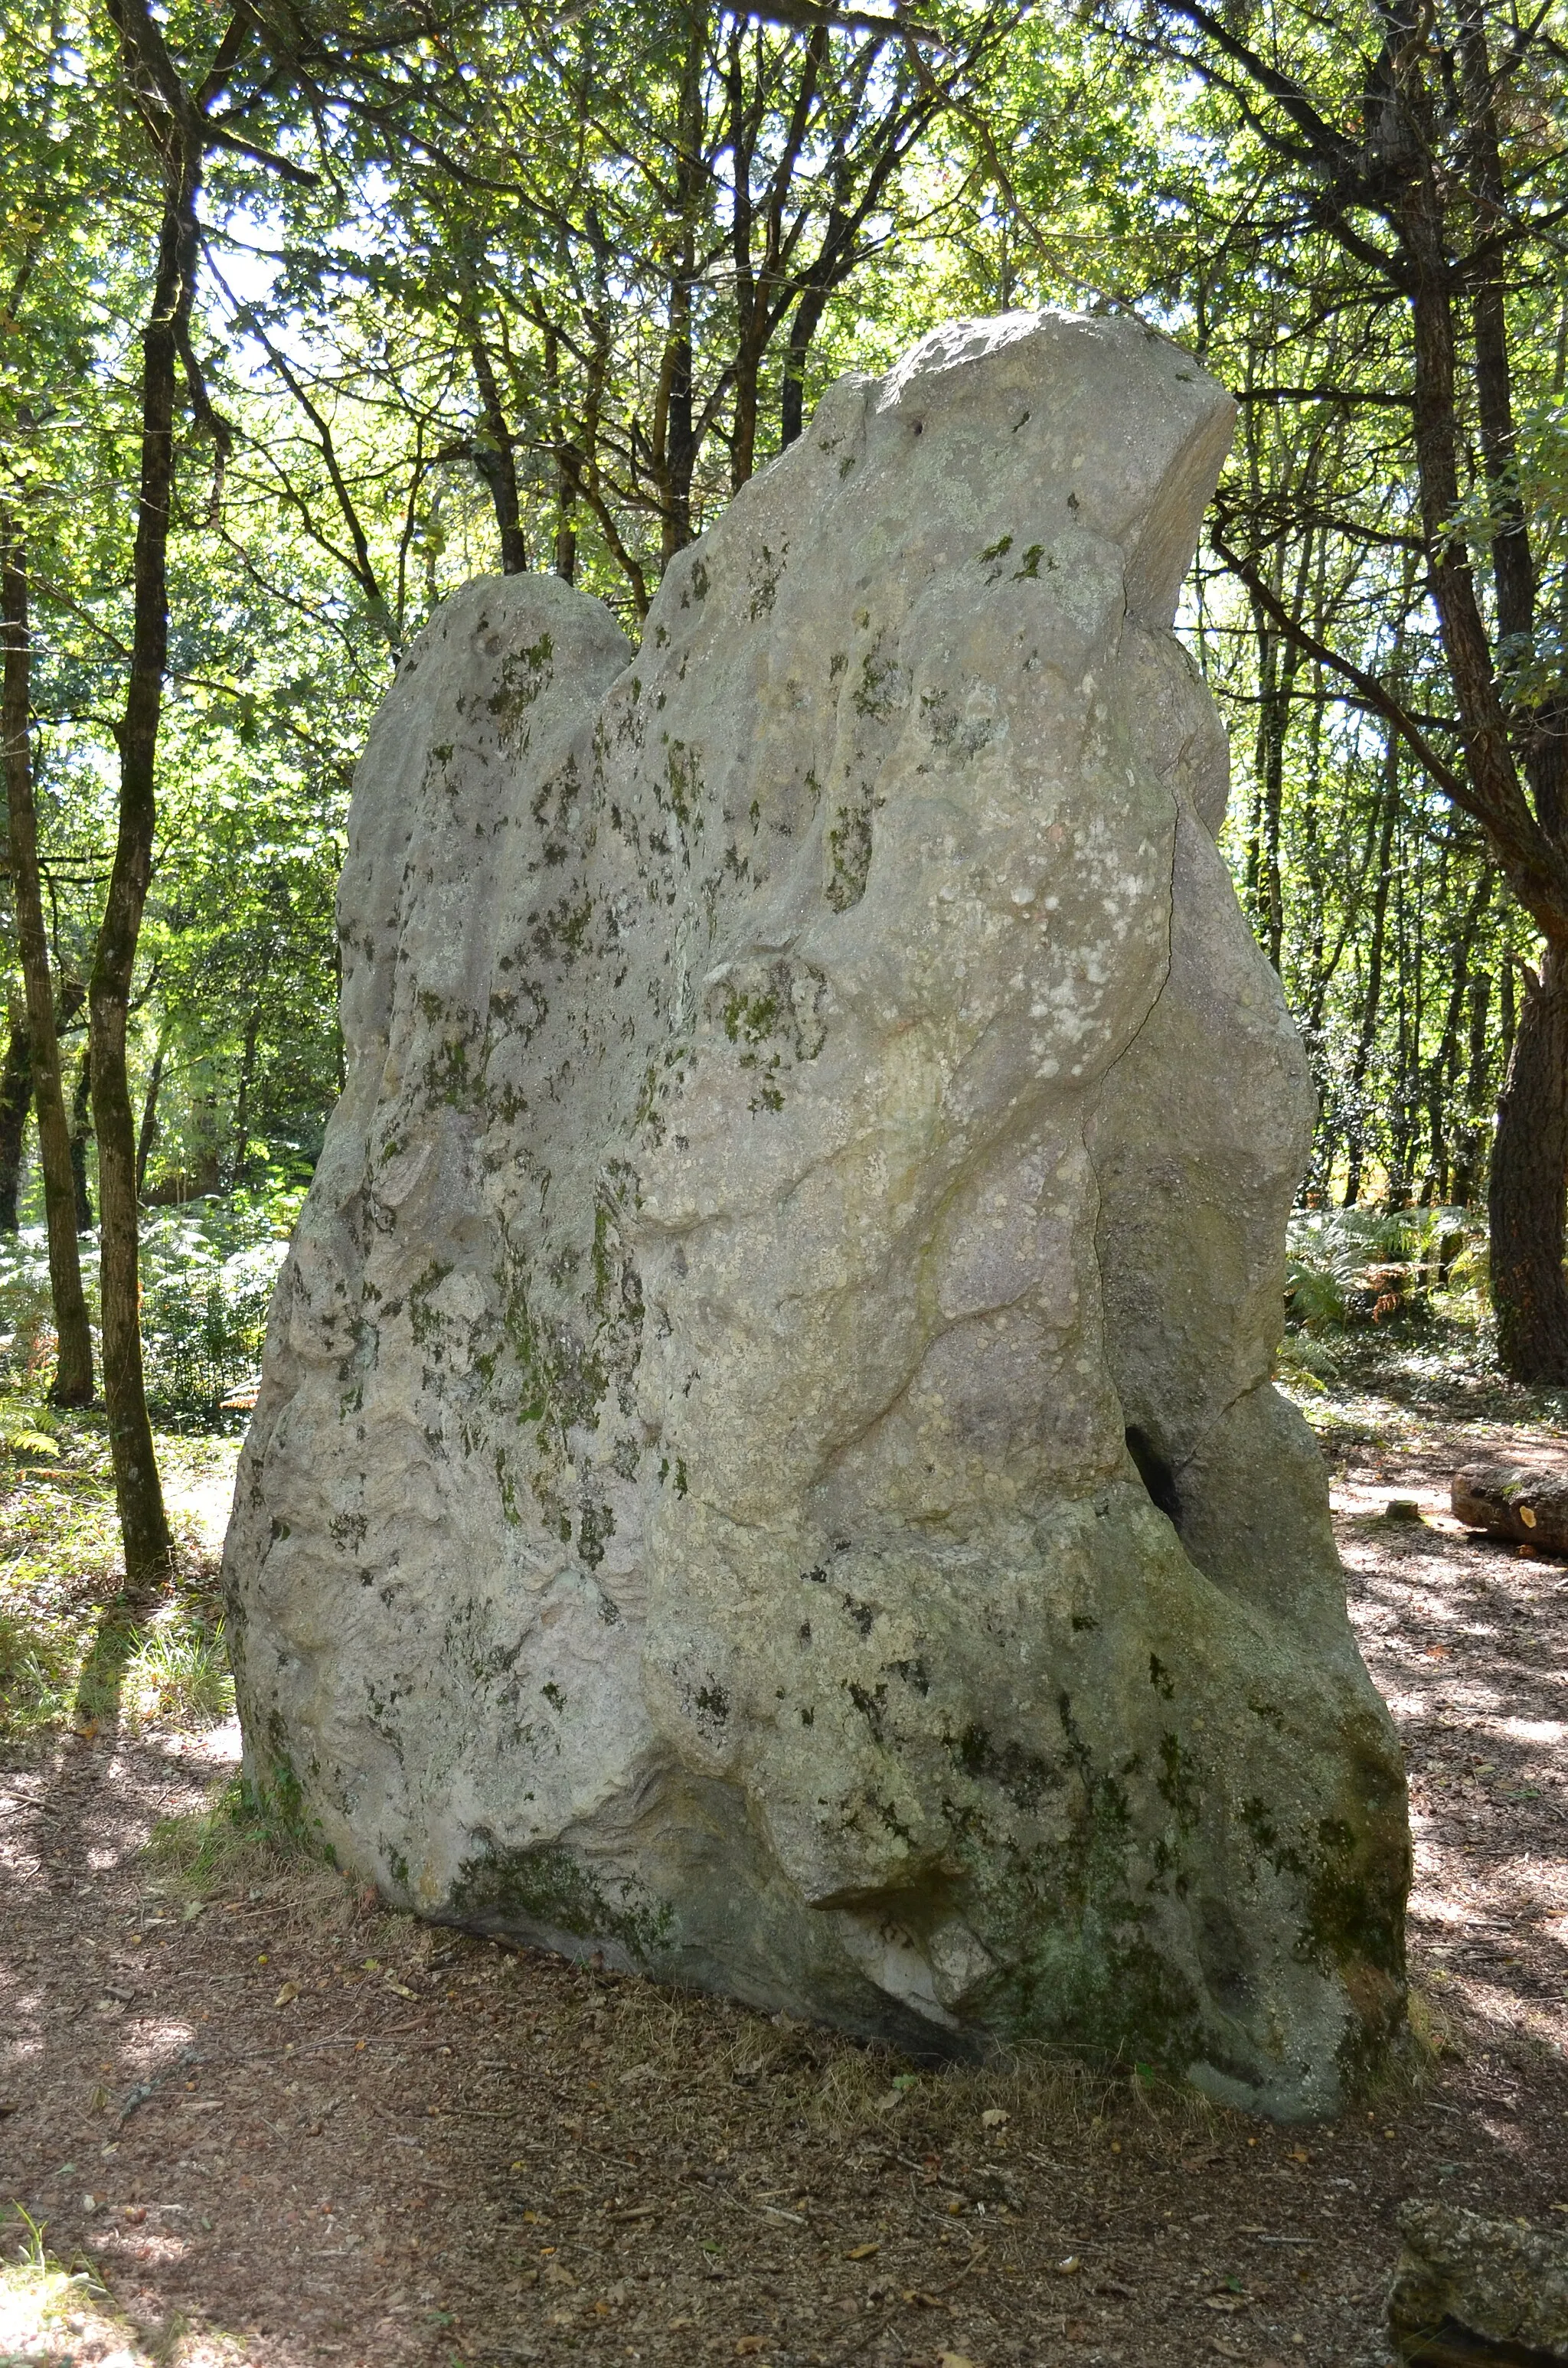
310	310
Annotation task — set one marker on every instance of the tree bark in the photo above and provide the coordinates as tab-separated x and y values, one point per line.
674	440
1526	1196
176	130
1529	1177
16	1100
147	1132
1355	1132
1421	153
1514	1500
73	1383
792	393
750	313
1442	1069
496	457
1471	1156
81	1135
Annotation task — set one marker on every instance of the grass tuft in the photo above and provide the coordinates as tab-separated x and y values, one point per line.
177	1673
45	2309
232	1849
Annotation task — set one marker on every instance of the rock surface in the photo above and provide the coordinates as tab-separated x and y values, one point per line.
1473	2291
767	1465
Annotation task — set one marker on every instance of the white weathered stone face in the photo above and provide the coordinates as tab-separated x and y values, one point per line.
766	1464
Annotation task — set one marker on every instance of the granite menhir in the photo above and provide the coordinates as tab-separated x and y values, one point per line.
767	1465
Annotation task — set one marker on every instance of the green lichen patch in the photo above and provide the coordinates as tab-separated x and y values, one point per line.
766	571
524	674
552	1891
849	856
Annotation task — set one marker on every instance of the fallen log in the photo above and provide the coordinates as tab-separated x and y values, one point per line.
1514	1500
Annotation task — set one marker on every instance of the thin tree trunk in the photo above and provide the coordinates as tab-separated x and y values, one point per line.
1442	1069
72	1385
675	438
147	1132
1367	1035
1530	1165
1472	1136
242	1101
750	316
145	1526
792	395
1268	664
81	1135
565	563
15	1101
1279	660
496	457
1526	1196
809	310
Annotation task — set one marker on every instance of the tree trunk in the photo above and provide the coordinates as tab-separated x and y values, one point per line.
147	1132
1355	1099
81	1134
1530	1165
496	457
1442	1069
242	1101
749	312
145	1526
1473	1138
72	1385
16	1100
792	393
676	441
565	561
1279	661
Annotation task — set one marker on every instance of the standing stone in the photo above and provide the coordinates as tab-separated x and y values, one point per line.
766	1464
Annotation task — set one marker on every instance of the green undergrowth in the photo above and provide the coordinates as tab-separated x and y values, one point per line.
208	1271
1387	1325
229	1846
245	1831
1386	1383
57	2313
75	1647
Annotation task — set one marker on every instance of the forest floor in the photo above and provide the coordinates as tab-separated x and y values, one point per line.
246	2116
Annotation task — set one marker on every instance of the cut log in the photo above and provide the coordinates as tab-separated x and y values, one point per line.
1514	1501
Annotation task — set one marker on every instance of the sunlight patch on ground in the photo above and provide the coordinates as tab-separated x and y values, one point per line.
219	1744
46	2315
204	1494
52	2318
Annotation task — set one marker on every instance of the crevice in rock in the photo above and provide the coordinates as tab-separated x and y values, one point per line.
1156	1473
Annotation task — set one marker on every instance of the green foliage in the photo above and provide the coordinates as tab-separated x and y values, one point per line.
593	255
208	1276
73	1646
1346	1267
227	1845
58	1550
208	1273
44	2302
177	1674
40	1659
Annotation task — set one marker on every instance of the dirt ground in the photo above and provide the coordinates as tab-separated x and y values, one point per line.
281	2127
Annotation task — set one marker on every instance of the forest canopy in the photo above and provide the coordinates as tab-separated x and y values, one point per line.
308	313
